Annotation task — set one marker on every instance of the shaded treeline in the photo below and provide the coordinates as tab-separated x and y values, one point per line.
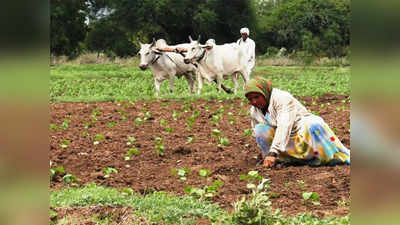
115	27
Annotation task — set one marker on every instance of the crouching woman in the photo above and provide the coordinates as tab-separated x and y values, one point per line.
286	132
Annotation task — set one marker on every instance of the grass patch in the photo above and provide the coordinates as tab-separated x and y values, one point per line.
161	208
123	82
158	207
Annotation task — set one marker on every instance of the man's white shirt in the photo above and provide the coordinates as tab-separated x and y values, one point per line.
249	47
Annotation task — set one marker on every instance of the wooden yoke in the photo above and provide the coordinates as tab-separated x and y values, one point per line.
179	50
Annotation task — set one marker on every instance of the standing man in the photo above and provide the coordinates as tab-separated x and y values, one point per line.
249	47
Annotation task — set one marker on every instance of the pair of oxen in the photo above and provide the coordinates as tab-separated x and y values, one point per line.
196	62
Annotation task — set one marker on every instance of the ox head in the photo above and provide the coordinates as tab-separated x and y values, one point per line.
194	51
147	54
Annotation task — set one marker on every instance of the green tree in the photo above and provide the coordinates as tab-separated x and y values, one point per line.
67	26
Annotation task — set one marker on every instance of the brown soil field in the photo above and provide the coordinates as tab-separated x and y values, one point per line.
147	171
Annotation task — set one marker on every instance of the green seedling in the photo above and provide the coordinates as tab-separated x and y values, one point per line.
169	130
130	152
70	179
85	133
95	112
252	177
65	143
65	124
57	171
247	132
175	115
147	115
53	127
138	121
230	113
216	132
216	118
163	122
159	146
181	173
87	125
189	140
98	138
232	120
206	191
111	124
311	196
223	141
207	108
131	140
108	171
301	183
204	172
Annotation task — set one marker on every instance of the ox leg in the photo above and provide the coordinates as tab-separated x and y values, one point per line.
199	82
191	81
235	82
171	83
219	82
157	84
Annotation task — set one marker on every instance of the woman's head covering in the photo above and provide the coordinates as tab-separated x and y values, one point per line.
259	85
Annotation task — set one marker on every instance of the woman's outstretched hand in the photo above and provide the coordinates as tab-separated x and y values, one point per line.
269	161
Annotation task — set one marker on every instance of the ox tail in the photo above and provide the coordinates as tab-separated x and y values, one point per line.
227	90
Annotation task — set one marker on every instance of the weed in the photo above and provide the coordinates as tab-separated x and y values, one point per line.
131	140
301	183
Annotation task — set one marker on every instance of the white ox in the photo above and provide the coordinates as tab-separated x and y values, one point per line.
166	65
216	62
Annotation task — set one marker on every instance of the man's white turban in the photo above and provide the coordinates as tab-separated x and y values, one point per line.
245	30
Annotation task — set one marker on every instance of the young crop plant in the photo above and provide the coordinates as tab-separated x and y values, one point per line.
311	197
65	124
189	140
252	177
111	124
138	121
257	208
53	127
301	184
130	141
58	171
159	146
130	152
175	115
208	191
163	122
87	125
147	115
232	120
204	173
169	130
122	113
65	143
247	132
216	118
70	179
108	171
98	138
181	173
223	142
